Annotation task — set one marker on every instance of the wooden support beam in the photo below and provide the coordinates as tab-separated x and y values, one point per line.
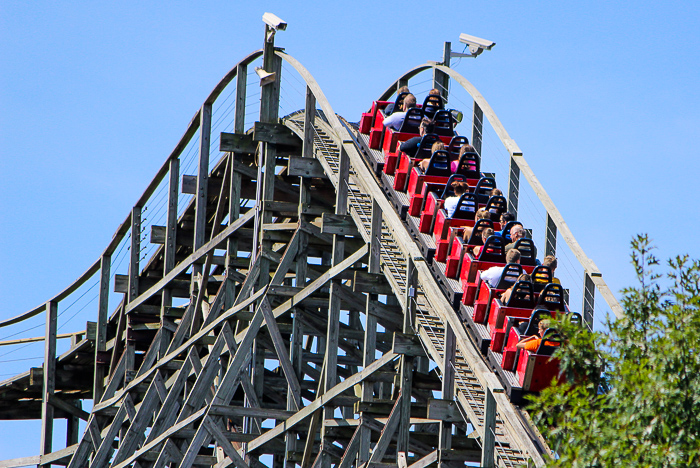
588	300
101	332
390	428
201	196
305	167
278	134
49	384
514	186
489	438
241	143
338	224
477	127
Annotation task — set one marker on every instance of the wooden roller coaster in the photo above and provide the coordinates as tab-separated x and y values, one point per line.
286	318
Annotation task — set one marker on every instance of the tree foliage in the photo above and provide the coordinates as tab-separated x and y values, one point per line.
643	410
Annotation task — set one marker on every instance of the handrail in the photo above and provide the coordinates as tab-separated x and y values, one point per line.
511	146
126	225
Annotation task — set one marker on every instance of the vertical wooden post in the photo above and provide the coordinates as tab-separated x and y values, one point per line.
135	253
477	128
513	187
370	342
101	332
588	300
333	330
241	85
297	338
169	248
200	220
441	80
489	439
448	389
73	426
550	245
49	385
134	270
406	362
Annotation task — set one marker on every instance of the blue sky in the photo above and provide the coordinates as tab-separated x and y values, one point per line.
602	98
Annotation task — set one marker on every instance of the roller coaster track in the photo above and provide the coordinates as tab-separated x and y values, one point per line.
311	330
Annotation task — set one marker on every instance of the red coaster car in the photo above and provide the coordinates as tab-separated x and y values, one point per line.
491	255
487	293
458	248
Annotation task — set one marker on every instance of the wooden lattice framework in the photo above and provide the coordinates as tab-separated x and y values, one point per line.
314	334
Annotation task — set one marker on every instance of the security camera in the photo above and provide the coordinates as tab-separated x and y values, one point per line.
476	42
274	21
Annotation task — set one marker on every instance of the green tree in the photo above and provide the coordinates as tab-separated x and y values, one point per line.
643	410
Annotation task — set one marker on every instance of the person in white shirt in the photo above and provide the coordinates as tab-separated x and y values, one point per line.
493	275
459	189
396	119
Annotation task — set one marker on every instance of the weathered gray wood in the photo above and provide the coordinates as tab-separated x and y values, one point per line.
588	300
134	253
241	143
477	127
283	356
49	384
202	176
447	387
373	283
321	400
338	224
241	86
407	344
388	432
189	184
121	284
305	167
489	438
223	442
309	118
101	333
441	80
278	134
135	433
68	407
550	243
352	449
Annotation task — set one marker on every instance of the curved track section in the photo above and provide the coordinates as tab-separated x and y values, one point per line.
286	317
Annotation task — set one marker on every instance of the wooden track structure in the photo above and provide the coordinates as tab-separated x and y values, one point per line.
311	323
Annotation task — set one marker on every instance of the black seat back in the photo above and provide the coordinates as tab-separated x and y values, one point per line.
439	164
475	238
506	230
444	123
397	103
449	191
469	165
575	318
527	251
552	298
466	207
497	205
456	144
432	104
541	277
483	189
522	295
425	147
412	120
530	327
551	341
493	250
509	276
